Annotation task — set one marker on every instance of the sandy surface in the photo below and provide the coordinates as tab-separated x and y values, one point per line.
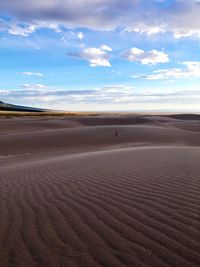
74	194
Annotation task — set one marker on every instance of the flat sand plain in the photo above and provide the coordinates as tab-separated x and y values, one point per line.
72	193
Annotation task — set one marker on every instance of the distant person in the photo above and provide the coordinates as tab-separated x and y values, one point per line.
116	133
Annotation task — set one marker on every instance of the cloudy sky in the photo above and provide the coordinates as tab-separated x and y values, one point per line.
101	54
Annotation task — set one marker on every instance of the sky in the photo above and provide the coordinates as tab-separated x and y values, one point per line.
101	55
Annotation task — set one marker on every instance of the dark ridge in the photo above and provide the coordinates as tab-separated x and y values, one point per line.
185	116
10	107
112	120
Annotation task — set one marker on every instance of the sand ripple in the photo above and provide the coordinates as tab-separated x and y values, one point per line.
128	207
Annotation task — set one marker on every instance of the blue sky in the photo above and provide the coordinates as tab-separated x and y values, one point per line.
101	54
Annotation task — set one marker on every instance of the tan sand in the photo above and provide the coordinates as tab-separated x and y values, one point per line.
74	194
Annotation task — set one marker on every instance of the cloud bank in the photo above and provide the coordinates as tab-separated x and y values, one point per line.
143	16
111	97
191	70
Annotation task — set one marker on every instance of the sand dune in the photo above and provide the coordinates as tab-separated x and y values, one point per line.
94	137
81	196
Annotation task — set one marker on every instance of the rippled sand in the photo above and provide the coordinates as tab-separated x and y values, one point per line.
74	194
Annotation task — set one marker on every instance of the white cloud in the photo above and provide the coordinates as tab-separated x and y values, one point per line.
19	29
27	73
186	33
152	57
163	28
149	30
15	27
106	48
35	86
97	57
80	35
191	70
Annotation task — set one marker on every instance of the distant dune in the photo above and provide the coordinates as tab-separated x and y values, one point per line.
75	193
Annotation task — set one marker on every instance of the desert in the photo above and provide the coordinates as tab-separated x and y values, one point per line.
75	194
99	133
